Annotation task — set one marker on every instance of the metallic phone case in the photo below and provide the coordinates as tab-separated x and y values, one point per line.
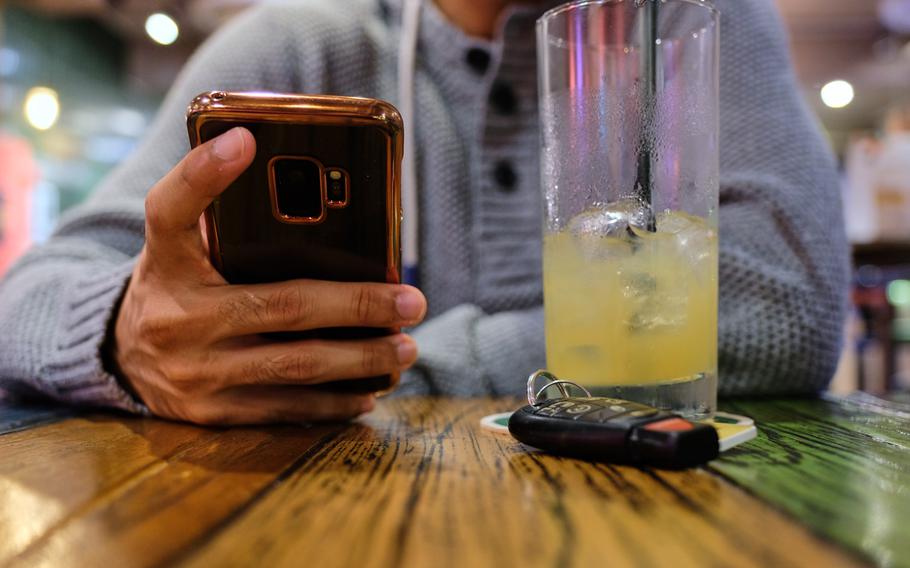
356	239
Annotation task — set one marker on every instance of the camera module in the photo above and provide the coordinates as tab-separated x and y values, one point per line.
297	190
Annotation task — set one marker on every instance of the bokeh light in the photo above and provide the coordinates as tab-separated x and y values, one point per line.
162	28
42	107
837	94
899	293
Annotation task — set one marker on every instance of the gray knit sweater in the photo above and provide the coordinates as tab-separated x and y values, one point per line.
783	267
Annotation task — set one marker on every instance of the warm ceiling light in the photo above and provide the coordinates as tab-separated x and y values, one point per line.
837	94
42	107
162	29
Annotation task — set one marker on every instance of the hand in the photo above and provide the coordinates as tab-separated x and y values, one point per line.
189	344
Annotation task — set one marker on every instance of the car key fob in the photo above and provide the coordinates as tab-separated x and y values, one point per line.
614	430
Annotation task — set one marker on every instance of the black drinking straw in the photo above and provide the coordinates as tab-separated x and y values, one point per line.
644	184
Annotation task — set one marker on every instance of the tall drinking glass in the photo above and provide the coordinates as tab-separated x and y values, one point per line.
629	134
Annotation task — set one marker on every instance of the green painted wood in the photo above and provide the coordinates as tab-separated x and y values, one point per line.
839	465
900	399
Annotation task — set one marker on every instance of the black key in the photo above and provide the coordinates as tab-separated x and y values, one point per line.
613	430
568	408
602	415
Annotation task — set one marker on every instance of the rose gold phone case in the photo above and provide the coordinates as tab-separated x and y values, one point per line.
354	240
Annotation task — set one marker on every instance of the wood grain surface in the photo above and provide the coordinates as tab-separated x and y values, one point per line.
840	466
116	491
417	483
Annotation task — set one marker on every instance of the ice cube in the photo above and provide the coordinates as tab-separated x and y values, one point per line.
694	237
679	222
638	285
660	312
611	220
609	231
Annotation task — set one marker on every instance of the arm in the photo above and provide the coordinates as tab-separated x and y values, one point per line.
56	302
783	262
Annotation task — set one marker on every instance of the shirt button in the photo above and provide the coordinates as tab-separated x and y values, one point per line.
503	99
478	59
505	176
384	11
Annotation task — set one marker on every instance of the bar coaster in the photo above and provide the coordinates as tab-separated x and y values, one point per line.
732	429
498	423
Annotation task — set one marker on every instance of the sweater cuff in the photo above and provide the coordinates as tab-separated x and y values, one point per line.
465	352
447	362
76	371
509	347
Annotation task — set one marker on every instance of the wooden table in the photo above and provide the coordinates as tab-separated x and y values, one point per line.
419	483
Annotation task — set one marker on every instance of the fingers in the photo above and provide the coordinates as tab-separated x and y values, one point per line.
175	203
269	405
310	304
313	362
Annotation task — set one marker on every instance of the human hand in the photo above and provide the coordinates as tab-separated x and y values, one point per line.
189	344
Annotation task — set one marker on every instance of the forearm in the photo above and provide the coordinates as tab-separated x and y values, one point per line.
783	294
55	307
57	303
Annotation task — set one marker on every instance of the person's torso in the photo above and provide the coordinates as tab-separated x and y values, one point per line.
476	143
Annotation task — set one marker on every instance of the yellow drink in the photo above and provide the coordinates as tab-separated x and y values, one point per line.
633	308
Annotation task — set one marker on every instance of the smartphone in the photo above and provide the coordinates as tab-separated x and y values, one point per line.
321	200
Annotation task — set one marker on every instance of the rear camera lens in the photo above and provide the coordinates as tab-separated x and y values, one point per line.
298	189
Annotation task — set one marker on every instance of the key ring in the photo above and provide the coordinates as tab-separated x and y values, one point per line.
554	381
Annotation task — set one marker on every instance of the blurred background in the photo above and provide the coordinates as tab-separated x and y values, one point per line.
80	81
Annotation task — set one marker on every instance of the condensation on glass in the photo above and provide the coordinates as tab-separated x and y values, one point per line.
629	159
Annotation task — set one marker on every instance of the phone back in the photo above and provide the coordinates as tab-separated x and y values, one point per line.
277	221
321	199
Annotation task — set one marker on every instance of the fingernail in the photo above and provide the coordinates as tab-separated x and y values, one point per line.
407	352
409	305
229	146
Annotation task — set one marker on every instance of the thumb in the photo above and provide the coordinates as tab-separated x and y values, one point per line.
174	204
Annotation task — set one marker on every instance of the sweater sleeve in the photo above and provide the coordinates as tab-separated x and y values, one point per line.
58	301
783	258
